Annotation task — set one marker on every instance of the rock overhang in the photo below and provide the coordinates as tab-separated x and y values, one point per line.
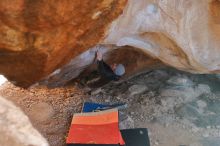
182	34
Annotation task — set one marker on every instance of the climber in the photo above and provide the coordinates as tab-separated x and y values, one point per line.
113	72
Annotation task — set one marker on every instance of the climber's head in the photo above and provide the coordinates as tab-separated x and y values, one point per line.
118	69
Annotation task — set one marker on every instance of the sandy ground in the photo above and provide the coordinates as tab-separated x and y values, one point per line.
179	109
50	110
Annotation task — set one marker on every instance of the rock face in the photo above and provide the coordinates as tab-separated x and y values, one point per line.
15	127
183	34
134	60
38	37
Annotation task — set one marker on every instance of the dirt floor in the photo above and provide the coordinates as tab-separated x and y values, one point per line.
50	110
178	108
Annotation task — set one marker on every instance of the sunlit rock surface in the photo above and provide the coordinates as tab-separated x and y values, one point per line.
16	128
183	34
37	37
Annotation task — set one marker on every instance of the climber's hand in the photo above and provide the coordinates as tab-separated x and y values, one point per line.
99	55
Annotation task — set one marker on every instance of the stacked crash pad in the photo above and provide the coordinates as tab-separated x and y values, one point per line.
101	129
95	128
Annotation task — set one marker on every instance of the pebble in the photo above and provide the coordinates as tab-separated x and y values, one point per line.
204	88
107	100
156	143
208	127
205	135
201	104
118	98
180	81
195	129
137	89
97	91
127	123
166	124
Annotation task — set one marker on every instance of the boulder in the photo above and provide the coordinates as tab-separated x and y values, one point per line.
16	128
183	34
38	37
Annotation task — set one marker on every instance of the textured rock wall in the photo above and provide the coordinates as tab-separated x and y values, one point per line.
183	34
15	127
38	37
